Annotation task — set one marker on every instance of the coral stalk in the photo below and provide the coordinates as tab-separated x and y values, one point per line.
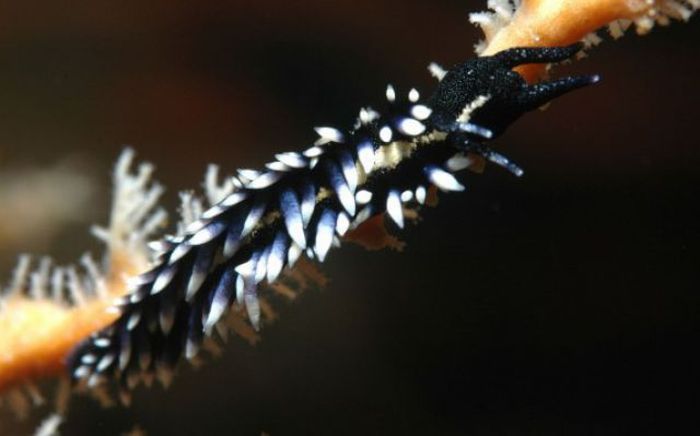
542	23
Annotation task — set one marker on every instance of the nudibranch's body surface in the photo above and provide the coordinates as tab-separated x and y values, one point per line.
305	203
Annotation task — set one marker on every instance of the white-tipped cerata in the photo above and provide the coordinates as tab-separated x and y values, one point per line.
363	197
264	180
386	134
442	179
393	207
308	202
164	278
253	218
421	194
277	166
277	257
179	252
342	190
293	254
233	199
292	160
411	127
437	71
328	134
390	94
421	112
324	234
293	220
248	175
313	152
342	224
458	162
205	235
349	170
365	153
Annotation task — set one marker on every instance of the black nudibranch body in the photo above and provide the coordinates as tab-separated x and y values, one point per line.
509	96
303	203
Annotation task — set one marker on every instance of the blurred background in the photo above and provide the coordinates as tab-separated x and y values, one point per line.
564	302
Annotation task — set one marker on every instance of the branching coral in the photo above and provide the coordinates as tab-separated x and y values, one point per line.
78	302
533	23
47	311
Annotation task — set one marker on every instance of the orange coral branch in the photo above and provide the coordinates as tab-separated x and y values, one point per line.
37	334
562	22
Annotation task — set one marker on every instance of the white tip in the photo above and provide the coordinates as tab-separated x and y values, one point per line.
233	199
217	310
240	289
124	354
266	179
205	235
328	134
195	282
393	207
274	266
385	134
191	349
390	93
81	372
313	152
363	197
105	362
421	193
212	212
252	307
179	252
342	224
276	166
421	112
308	204
88	359
158	246
411	127
195	226
296	232
247	175
350	172
293	219
324	234
406	196
367	115
134	320
437	71
458	162
413	95
164	279
252	219
293	254
293	160
365	154
443	180
236	182
246	269
346	199
261	266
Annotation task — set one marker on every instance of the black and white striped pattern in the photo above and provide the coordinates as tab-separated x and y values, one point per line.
303	203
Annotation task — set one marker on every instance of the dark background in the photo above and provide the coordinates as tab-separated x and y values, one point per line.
564	302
